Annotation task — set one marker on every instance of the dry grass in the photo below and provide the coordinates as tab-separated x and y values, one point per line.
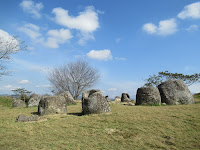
128	127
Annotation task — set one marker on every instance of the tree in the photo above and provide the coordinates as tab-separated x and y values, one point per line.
8	45
22	93
74	77
155	80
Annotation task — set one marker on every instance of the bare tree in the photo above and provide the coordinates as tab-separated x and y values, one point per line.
74	77
8	45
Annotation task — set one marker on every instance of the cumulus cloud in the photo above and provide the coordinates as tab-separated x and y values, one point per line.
86	22
5	39
31	30
192	28
24	82
100	54
150	28
190	11
57	37
32	8
165	27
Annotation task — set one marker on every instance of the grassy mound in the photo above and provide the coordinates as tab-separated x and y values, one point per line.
128	127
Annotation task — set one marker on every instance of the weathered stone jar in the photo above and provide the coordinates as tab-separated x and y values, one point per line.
175	92
125	97
148	96
52	105
93	101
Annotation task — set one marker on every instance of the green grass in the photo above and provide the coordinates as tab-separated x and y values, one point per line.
197	97
128	127
6	101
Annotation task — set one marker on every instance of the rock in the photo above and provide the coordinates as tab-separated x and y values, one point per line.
107	98
18	103
125	97
34	100
68	97
174	92
164	104
117	98
93	101
52	105
23	118
148	96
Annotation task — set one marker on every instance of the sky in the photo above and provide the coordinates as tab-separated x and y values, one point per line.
125	40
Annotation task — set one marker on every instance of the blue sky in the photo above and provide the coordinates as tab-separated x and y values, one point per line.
125	40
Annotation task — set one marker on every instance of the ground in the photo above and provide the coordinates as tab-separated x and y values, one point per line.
128	127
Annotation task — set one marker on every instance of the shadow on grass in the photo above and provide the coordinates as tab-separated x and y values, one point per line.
35	113
76	114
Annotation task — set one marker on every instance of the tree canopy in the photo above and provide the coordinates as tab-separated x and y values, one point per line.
155	80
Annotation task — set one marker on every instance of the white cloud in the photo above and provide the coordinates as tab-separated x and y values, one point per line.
112	89
57	37
24	82
84	36
192	28
32	8
120	58
43	86
150	28
9	87
30	66
86	22
165	27
31	30
8	39
190	11
100	54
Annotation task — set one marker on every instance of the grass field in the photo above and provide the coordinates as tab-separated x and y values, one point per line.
128	127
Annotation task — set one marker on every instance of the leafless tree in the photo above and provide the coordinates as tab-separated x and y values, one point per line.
8	46
74	77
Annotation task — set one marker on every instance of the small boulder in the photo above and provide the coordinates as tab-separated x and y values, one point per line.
117	98
68	97
18	103
23	118
52	105
148	96
125	97
34	100
174	92
93	101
